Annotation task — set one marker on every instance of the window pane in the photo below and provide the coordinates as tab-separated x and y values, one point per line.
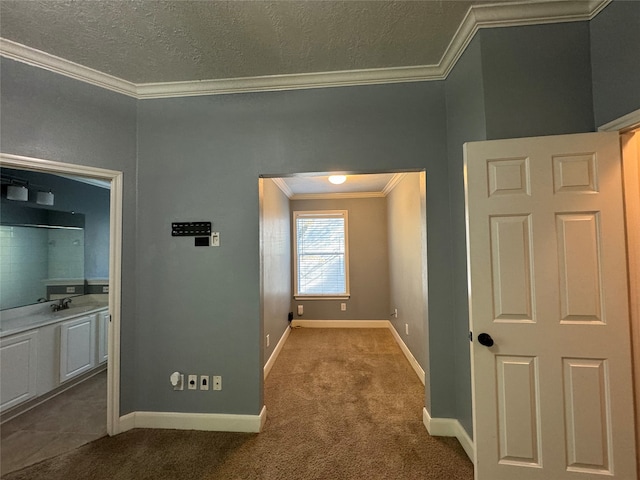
321	255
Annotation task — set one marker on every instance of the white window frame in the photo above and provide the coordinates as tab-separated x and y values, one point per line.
320	214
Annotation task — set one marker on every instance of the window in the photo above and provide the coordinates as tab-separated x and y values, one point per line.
321	254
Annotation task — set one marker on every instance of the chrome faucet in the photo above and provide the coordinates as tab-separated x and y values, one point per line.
62	304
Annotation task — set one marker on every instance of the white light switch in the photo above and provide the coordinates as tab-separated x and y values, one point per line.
215	239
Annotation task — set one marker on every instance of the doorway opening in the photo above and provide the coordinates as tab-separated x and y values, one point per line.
387	259
80	333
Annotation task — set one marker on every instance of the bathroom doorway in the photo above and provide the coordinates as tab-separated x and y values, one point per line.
91	390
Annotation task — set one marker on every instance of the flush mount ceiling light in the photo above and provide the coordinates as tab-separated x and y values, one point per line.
17	192
337	179
44	198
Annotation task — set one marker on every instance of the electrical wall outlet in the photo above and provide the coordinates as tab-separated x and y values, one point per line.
395	312
343	307
217	382
268	342
71	289
105	289
177	380
406	328
192	382
300	310
204	382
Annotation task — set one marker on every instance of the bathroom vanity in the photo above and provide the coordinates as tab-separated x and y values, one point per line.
41	349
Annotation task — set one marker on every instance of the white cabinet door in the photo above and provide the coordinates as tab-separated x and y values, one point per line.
103	336
18	365
548	281
77	346
48	364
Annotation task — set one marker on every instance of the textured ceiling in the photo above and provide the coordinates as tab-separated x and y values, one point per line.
147	41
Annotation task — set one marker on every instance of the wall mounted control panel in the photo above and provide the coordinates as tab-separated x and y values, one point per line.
204	237
190	229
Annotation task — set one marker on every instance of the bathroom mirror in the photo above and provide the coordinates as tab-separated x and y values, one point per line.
41	255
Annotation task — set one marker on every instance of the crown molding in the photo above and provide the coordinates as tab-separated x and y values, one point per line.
282	185
335	196
627	122
514	15
37	58
300	81
393	182
478	16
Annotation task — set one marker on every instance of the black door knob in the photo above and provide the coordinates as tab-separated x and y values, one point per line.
485	339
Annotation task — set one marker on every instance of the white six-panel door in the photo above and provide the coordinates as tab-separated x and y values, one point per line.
548	284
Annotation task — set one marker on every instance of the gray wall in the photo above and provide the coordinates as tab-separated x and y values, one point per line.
199	158
275	238
465	122
407	267
615	47
368	262
537	80
49	116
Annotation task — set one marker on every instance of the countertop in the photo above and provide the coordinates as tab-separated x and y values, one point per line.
18	320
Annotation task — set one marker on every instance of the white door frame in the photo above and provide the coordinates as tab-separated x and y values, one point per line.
115	263
630	168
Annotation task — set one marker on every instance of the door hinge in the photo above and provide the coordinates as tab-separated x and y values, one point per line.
471	336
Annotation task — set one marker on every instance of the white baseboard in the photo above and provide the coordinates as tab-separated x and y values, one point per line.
449	427
127	422
407	353
340	323
276	352
215	422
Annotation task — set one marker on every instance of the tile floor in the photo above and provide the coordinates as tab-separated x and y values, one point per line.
65	422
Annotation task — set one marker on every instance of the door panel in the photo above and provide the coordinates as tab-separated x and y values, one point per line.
579	264
511	268
587	413
547	267
518	402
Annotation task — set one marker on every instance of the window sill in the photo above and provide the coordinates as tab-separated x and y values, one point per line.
321	297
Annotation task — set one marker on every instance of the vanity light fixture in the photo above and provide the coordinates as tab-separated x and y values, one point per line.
17	192
338	179
44	198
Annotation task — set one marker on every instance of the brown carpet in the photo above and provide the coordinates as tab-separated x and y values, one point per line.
341	404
